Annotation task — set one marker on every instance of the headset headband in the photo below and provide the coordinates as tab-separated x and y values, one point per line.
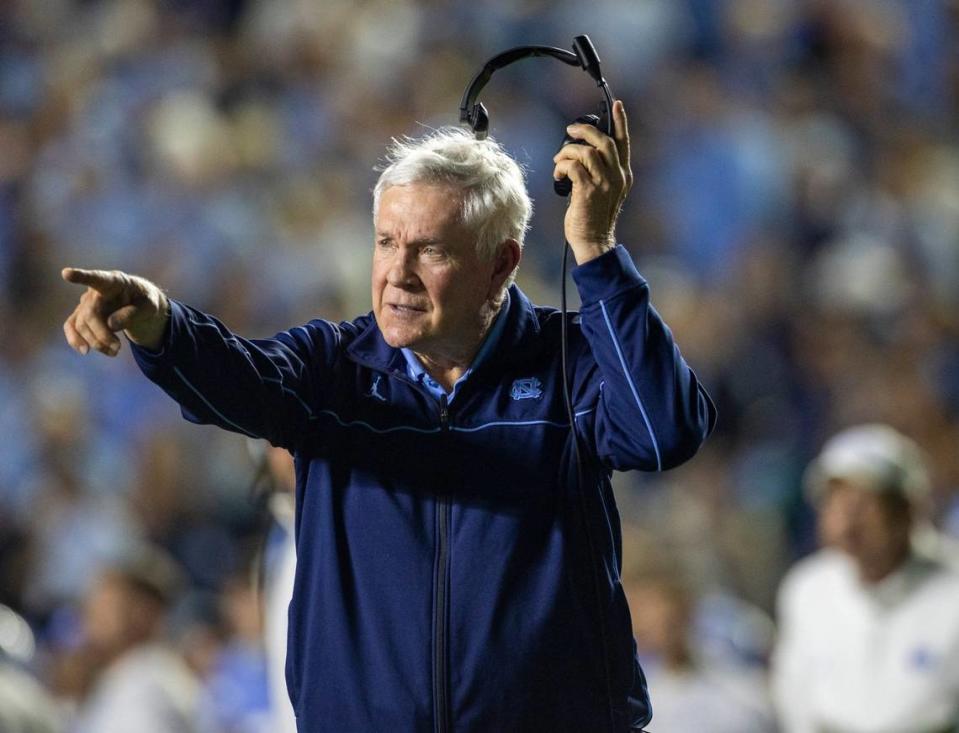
583	55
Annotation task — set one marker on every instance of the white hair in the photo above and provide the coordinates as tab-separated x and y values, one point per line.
495	204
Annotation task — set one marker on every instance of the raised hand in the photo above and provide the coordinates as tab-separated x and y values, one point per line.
601	177
115	301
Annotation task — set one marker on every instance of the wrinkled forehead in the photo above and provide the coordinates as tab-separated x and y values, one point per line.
417	210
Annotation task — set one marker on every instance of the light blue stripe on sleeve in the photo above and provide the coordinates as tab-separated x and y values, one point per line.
632	387
212	409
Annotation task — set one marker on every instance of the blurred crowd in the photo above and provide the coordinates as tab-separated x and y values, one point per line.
796	211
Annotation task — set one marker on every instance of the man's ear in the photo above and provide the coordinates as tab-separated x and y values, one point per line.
507	258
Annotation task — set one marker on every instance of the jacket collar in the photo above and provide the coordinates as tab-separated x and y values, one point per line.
518	339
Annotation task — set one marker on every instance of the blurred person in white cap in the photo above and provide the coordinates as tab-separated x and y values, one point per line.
869	624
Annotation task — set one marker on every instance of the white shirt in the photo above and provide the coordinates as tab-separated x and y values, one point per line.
855	658
25	707
708	700
278	592
147	690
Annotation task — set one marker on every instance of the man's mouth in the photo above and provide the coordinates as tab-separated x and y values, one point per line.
401	309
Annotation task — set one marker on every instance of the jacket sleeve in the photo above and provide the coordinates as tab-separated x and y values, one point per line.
651	412
262	388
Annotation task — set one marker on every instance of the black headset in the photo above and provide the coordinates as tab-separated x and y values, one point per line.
475	115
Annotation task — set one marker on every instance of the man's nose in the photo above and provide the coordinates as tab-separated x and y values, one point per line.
402	271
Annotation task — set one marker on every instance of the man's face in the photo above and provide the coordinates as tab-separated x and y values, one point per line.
871	527
116	616
430	287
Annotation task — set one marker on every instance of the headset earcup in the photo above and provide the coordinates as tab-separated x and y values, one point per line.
564	186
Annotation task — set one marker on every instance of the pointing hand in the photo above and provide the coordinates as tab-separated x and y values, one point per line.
115	301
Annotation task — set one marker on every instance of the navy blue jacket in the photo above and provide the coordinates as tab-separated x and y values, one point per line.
452	573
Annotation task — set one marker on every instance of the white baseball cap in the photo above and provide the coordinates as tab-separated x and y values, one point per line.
872	456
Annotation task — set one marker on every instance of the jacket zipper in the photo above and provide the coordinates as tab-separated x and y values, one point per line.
441	600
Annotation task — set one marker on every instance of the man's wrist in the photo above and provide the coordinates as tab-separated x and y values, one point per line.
585	252
151	336
606	277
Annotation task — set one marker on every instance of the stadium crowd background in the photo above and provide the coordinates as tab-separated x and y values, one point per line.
796	211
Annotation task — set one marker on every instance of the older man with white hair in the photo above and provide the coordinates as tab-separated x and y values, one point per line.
869	625
458	546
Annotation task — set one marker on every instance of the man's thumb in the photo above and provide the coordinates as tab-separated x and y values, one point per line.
120	318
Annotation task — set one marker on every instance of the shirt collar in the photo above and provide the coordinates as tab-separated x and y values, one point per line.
519	343
418	372
901	582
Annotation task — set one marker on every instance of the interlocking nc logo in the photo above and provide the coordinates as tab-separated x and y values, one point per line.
527	389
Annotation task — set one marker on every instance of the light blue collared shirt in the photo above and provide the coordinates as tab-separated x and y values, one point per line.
418	372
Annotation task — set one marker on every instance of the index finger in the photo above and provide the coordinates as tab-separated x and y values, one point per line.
621	133
96	279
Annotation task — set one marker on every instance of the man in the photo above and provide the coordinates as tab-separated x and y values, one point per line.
869	625
452	571
279	570
693	693
142	684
